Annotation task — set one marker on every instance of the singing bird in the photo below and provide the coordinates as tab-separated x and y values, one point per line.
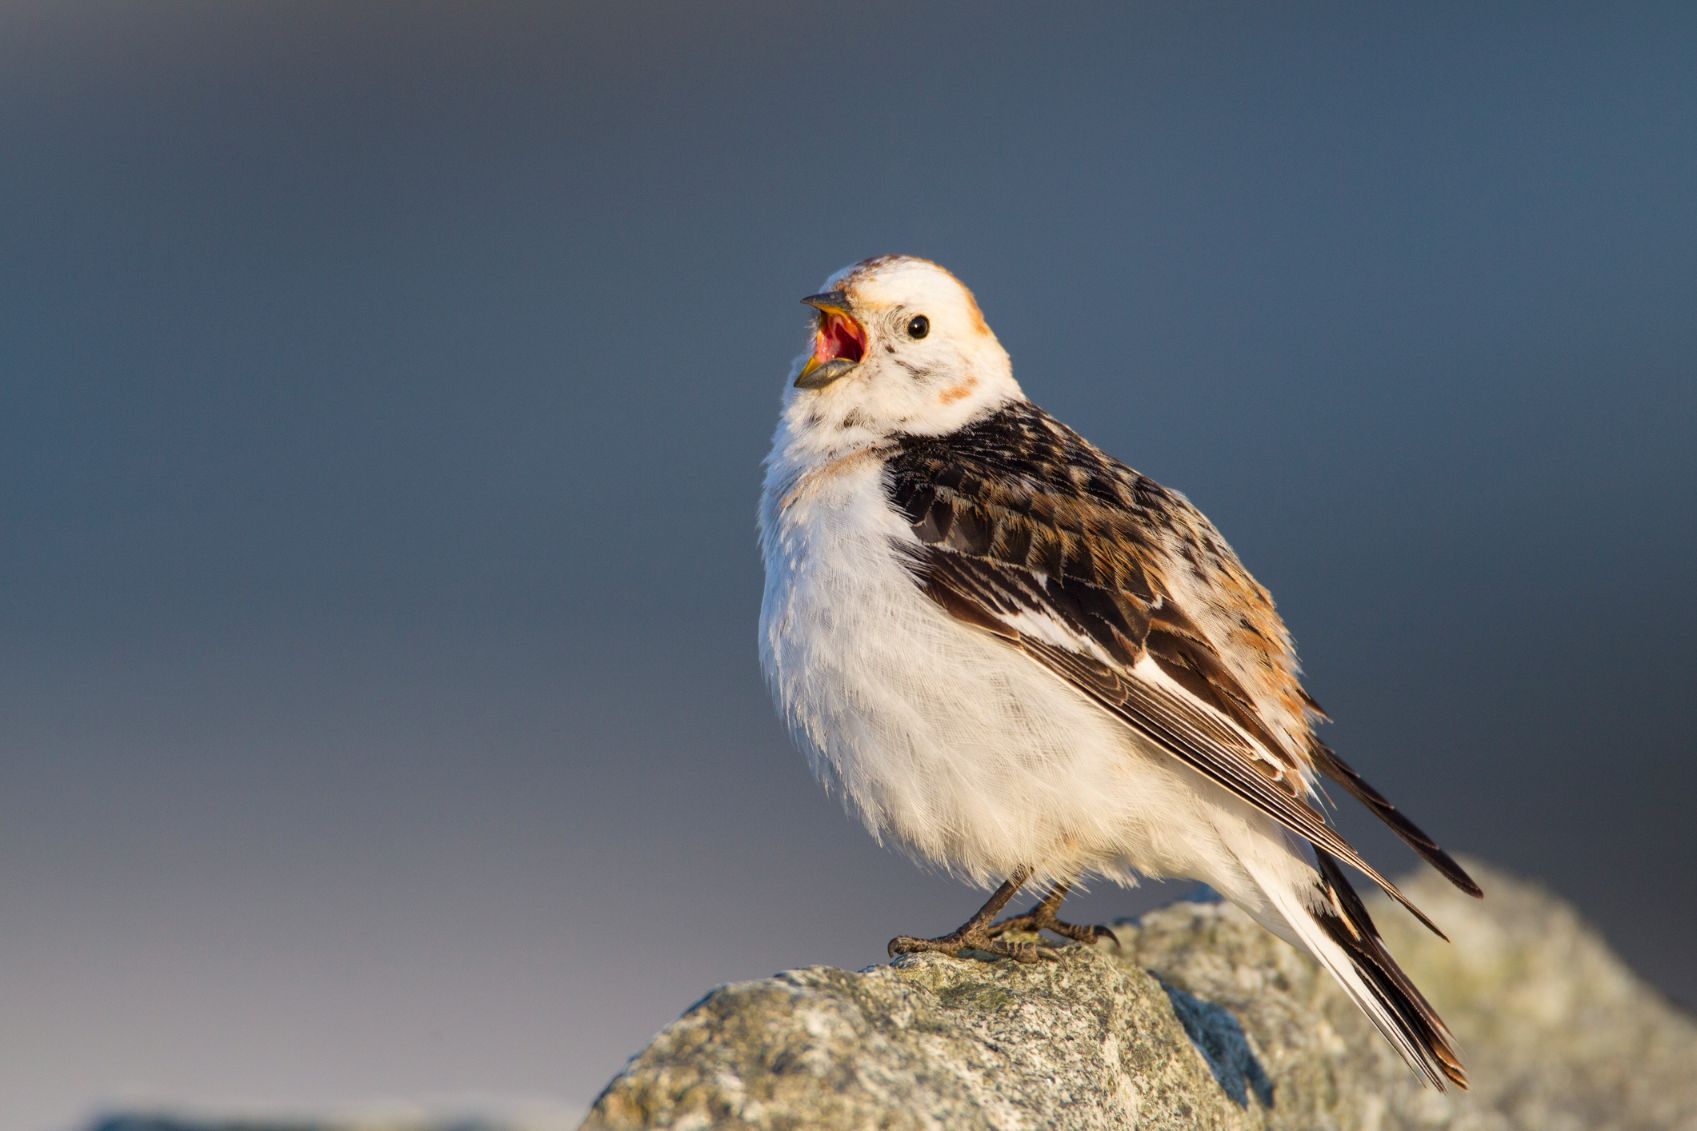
1024	663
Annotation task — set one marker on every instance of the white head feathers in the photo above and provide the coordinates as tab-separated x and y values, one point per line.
899	346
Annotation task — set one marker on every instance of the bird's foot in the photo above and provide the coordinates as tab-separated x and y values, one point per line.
1041	919
982	938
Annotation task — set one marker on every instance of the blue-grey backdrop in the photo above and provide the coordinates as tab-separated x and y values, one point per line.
384	389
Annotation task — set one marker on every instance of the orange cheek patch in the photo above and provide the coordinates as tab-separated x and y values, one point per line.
955	392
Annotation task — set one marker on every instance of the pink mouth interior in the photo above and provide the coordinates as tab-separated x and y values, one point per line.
839	338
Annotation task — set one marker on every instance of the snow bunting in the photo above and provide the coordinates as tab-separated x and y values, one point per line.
1025	663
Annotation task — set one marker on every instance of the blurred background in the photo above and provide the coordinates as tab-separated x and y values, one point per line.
382	396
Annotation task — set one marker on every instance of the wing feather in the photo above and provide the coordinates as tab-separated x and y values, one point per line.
1027	532
1345	775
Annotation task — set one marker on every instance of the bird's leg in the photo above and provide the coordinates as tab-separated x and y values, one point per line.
1042	918
975	933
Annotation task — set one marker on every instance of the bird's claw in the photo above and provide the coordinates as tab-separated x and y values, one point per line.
982	941
1086	933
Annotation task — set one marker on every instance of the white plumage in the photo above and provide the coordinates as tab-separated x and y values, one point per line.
958	749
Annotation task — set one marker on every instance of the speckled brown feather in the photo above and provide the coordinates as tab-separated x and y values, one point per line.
1018	513
1103	545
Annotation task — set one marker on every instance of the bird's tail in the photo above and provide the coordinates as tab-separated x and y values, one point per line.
1332	924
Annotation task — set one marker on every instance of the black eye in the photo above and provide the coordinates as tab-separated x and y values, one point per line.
919	327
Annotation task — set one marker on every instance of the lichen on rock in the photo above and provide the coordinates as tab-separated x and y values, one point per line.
1198	1019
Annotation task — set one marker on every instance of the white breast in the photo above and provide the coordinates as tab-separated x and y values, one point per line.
966	753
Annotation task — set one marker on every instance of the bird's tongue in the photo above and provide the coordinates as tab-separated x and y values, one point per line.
839	339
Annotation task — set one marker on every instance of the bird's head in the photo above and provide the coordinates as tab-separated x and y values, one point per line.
898	345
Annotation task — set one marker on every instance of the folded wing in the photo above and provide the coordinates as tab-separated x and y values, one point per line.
1059	560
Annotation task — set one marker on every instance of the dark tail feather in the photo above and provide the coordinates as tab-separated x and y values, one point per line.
1419	1029
1327	761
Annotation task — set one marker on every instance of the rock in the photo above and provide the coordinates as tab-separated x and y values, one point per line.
1199	1019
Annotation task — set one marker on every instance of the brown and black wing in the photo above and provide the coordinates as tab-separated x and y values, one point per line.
1023	514
1009	527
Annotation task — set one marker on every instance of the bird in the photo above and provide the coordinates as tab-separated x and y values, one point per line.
1023	663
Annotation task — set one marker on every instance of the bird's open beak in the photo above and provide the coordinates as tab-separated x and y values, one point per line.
838	344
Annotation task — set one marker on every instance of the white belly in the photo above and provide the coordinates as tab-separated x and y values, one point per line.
963	751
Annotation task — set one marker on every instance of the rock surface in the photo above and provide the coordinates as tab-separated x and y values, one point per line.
1198	1020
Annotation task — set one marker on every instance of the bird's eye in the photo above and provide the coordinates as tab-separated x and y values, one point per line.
919	327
